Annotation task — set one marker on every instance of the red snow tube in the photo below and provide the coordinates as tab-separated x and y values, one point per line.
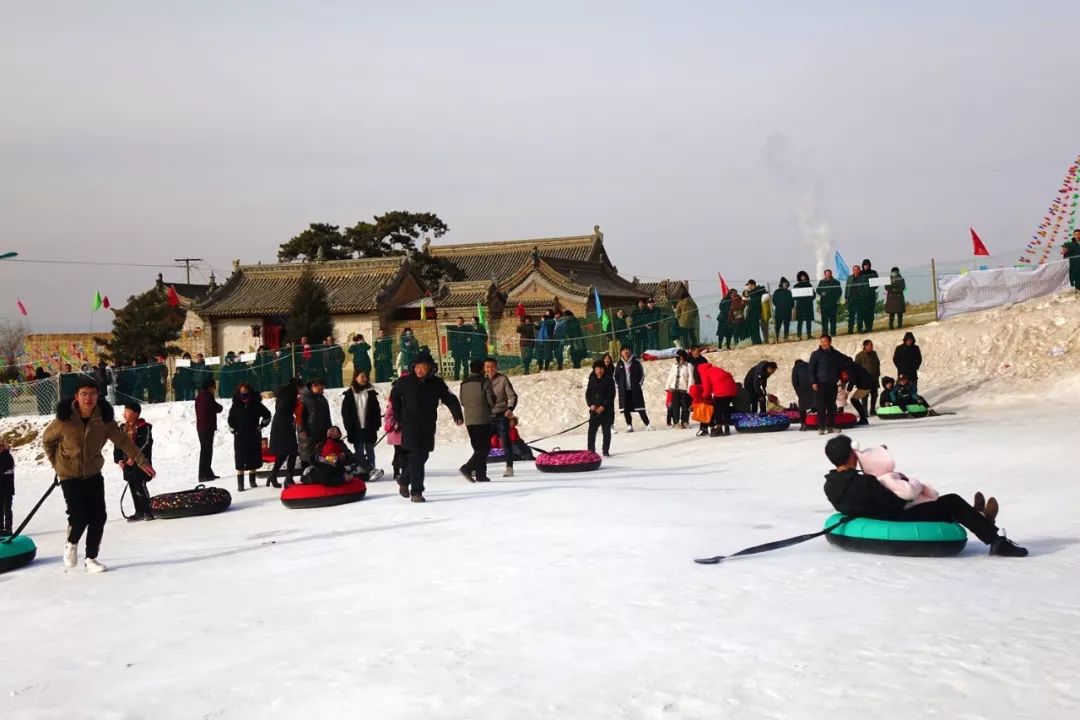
191	503
843	420
311	496
792	415
566	461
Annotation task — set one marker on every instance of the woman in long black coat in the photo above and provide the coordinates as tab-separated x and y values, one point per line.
283	432
247	417
629	381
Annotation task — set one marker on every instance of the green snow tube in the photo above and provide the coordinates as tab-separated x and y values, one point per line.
893	412
890	537
16	552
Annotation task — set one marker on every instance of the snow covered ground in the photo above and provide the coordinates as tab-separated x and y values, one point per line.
575	596
569	596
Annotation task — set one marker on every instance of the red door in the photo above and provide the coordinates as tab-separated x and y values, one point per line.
272	336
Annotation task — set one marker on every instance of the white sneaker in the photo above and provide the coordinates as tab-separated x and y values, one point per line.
650	428
508	472
376	475
629	428
93	566
71	555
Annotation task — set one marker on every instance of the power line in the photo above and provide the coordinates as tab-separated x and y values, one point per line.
91	262
187	264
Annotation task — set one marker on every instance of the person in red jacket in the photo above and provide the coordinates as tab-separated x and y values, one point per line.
206	412
718	387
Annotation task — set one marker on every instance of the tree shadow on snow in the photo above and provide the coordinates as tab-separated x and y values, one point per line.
250	548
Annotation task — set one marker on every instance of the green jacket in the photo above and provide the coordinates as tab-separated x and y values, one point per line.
361	359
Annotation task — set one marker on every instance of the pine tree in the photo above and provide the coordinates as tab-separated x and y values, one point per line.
309	313
145	328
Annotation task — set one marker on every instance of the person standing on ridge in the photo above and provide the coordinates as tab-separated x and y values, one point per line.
829	293
783	304
1071	252
895	304
804	305
869	299
908	359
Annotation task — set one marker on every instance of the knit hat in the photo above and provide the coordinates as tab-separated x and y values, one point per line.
423	357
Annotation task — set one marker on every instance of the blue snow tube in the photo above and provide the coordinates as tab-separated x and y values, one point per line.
16	552
751	423
893	537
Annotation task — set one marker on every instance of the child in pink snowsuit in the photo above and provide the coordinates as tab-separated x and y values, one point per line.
393	438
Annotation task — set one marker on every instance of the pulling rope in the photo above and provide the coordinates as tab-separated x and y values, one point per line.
561	432
24	523
775	545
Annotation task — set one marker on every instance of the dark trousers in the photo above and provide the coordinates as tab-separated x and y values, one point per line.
953	508
459	363
866	316
480	440
826	404
680	406
828	322
398	463
526	358
781	325
873	400
206	454
599	422
289	461
6	504
413	472
139	495
799	327
854	320
366	451
753	329
722	412
759	401
860	407
898	318
501	427
630	420
85	499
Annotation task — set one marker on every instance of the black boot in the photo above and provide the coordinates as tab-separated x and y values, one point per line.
240	483
251	480
1004	547
272	482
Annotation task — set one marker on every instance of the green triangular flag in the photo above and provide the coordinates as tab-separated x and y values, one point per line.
605	321
97	300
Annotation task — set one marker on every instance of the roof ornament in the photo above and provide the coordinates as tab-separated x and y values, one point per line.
213	280
320	256
160	282
425	246
597	235
236	265
636	281
535	256
572	275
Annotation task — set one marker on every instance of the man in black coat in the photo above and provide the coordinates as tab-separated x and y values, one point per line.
908	359
860	383
825	365
283	433
756	383
804	389
869	297
855	493
314	419
415	400
600	397
630	381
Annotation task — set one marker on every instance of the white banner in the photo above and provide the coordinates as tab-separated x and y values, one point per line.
985	289
802	292
880	281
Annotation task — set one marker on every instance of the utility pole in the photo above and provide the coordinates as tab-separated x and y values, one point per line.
187	264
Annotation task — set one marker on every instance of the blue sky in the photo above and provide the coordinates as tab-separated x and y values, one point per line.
144	131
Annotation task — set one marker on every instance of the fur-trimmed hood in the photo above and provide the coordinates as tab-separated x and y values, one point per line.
65	409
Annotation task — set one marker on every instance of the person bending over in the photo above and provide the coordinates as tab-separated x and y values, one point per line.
855	493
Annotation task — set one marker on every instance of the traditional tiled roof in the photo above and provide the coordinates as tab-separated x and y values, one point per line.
480	261
351	286
578	279
666	289
466	293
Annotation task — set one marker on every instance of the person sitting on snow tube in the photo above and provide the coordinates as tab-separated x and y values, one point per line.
887	387
854	493
903	396
332	462
519	448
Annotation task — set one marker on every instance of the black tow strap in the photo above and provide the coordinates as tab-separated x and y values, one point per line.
775	545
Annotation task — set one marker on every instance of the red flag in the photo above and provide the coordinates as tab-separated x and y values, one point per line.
980	249
723	285
22	308
105	302
520	311
174	299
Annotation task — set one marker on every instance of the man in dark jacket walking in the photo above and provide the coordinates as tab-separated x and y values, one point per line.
857	494
908	359
477	400
415	399
140	433
756	383
825	365
829	293
206	412
600	397
314	419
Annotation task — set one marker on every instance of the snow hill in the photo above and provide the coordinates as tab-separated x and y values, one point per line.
574	596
